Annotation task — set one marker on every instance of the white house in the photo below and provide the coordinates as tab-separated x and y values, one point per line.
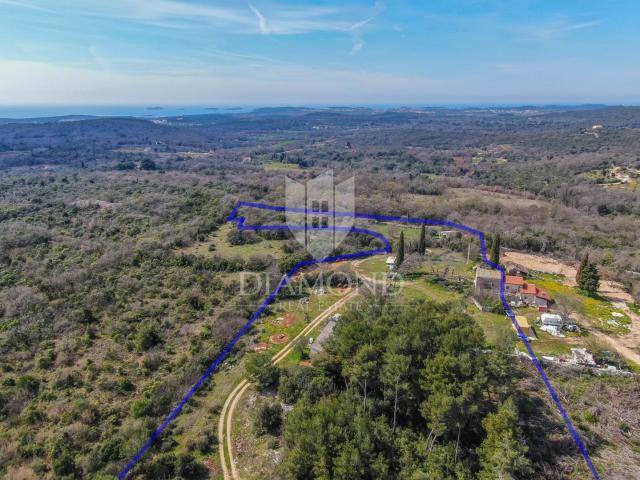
552	324
551	319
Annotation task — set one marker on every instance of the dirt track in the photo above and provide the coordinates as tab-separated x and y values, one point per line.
226	416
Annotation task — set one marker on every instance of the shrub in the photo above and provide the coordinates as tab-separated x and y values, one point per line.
267	418
148	164
262	372
147	337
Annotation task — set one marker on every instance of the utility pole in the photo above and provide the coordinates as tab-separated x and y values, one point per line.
468	251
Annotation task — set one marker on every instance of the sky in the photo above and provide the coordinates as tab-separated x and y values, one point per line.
417	52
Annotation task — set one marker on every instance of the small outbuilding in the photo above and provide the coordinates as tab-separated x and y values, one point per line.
391	262
516	270
552	324
523	323
316	347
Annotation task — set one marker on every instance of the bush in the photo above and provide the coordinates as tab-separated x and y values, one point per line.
148	164
65	466
262	372
142	407
29	384
147	337
290	261
267	418
239	237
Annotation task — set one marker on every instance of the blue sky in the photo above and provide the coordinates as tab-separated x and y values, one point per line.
322	52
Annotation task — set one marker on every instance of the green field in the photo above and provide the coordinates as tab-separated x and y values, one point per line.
217	244
276	166
597	310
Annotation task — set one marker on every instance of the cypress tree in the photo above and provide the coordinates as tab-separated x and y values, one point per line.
422	243
400	254
494	253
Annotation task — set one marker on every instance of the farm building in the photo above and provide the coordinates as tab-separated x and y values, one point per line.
513	284
551	319
448	234
534	296
316	347
523	323
552	323
517	291
516	270
487	282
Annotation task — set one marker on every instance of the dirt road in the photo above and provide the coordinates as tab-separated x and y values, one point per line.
225	434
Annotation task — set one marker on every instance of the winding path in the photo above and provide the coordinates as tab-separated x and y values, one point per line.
225	423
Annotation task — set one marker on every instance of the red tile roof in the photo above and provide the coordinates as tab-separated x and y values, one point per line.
511	280
531	289
542	294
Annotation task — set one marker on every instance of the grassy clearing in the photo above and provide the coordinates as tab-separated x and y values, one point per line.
217	244
201	414
277	166
422	288
374	266
257	456
496	327
392	231
303	313
547	344
446	263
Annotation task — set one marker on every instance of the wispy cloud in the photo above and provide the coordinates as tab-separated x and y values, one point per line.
26	5
237	19
262	21
555	28
356	28
358	44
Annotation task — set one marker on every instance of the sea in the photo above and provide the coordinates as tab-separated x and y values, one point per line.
139	111
162	111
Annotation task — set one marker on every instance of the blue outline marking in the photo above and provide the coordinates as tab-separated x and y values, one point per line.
233	217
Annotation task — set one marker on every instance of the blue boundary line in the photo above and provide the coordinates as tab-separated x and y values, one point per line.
233	217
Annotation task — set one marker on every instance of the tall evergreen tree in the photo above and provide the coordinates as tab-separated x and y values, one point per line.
589	280
494	252
400	253
394	371
488	242
422	243
583	263
503	451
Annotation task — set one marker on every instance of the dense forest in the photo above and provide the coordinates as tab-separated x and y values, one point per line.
406	393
